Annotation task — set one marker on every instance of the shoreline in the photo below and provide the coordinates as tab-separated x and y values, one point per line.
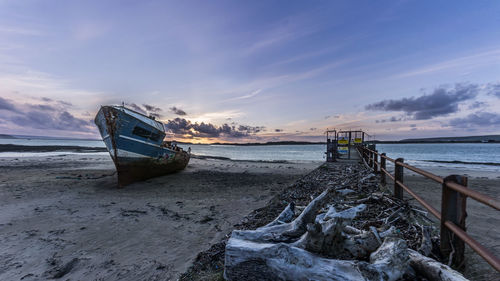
442	168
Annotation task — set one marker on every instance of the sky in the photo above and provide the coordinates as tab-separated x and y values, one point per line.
253	71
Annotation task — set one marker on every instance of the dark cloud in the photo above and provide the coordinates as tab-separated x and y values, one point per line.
477	104
413	125
392	119
66	103
250	129
476	120
440	103
7	105
178	111
50	120
313	129
184	127
278	130
494	89
151	108
46	99
137	108
43	107
396	119
51	116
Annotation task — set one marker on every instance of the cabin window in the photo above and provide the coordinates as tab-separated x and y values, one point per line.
141	132
147	134
154	137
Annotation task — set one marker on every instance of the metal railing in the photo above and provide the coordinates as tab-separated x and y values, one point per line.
453	205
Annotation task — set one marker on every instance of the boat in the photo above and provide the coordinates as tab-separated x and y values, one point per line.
136	145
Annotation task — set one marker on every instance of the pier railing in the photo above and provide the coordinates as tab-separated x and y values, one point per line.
453	205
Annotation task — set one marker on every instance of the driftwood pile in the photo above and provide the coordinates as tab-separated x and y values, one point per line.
351	231
335	224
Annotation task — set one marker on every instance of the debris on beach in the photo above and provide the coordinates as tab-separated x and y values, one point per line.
335	224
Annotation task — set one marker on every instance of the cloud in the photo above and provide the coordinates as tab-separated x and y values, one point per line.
313	129
252	94
490	57
137	108
278	130
494	89
178	111
7	105
440	103
477	104
186	128
476	120
42	107
43	116
151	108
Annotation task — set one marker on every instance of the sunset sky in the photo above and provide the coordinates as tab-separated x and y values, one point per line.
269	70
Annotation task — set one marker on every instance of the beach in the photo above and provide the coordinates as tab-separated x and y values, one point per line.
63	216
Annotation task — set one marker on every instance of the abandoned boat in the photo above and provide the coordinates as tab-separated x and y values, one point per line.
135	143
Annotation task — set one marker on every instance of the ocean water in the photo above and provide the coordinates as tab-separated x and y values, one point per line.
420	155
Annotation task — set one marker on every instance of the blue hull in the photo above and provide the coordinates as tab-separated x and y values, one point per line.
135	143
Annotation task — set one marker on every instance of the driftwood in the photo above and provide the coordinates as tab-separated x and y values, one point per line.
426	245
285	232
432	269
247	260
326	247
261	254
285	216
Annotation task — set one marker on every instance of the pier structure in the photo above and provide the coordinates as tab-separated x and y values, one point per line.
343	144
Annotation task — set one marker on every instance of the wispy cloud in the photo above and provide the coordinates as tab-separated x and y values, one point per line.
490	57
252	94
15	30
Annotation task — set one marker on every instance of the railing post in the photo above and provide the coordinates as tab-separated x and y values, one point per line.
382	166
398	176
453	209
375	161
370	159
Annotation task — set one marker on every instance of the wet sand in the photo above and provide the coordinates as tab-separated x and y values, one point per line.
62	216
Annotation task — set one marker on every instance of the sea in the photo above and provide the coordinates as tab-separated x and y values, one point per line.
471	156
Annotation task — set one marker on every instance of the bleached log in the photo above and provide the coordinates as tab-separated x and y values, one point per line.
391	258
325	235
247	260
426	244
432	269
287	232
361	245
284	217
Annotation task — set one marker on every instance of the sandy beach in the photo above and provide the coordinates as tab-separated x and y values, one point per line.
62	216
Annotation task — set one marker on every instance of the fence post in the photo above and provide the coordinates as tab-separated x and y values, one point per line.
382	166
453	209
375	161
398	176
